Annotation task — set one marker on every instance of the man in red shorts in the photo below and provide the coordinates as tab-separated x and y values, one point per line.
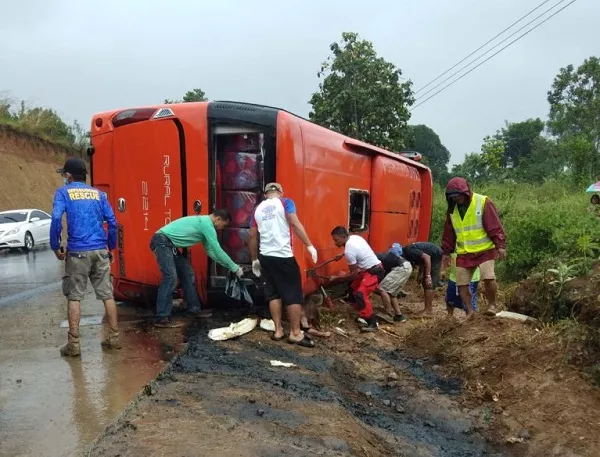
366	272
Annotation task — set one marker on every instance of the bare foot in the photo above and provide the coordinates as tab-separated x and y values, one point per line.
491	311
425	314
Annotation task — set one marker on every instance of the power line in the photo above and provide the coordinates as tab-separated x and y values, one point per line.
482	46
488	51
496	53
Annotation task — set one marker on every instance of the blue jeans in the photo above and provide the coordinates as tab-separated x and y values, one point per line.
173	266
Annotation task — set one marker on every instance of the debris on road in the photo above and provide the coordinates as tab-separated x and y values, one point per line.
234	330
516	316
277	363
267	324
341	332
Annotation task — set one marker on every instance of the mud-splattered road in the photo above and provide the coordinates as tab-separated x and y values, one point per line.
225	399
50	406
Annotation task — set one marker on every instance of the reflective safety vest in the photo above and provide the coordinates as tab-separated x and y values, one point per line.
471	237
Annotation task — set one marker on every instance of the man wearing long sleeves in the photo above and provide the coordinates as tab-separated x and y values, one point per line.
473	229
88	252
184	233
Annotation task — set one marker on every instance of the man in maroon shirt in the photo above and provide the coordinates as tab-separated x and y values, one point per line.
477	252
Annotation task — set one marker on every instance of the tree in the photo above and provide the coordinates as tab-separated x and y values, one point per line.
360	95
435	155
473	168
81	137
519	139
194	95
478	168
575	116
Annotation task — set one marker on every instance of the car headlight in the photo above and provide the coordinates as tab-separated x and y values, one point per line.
13	231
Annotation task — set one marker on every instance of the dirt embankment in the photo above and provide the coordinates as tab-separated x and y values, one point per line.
28	165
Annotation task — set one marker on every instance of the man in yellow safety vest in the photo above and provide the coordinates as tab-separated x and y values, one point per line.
472	228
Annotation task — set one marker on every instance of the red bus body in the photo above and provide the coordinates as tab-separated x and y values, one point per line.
160	163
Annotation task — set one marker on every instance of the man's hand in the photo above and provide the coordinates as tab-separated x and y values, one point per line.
111	257
239	273
445	261
256	268
338	257
501	254
60	254
313	253
427	281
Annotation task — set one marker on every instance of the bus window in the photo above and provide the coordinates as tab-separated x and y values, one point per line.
358	213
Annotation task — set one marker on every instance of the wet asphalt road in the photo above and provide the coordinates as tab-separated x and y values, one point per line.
26	273
51	406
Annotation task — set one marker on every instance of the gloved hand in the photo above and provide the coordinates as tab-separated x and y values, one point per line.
313	253
239	273
256	268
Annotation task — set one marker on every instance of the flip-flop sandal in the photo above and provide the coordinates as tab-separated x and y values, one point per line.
305	342
275	338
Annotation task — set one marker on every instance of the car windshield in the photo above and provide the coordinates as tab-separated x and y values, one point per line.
10	218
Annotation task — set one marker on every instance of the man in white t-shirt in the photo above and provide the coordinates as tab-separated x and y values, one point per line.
366	271
272	222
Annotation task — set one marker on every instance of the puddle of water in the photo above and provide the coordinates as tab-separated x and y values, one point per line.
97	319
51	406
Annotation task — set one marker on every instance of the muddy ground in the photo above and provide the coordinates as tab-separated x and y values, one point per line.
355	398
429	387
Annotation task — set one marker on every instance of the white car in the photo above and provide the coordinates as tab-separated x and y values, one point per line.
24	228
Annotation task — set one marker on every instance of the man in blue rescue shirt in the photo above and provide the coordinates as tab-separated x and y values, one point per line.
88	250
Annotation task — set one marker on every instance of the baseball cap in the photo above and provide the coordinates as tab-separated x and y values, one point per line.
274	186
74	166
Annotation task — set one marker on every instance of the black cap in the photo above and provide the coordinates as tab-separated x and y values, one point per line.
74	166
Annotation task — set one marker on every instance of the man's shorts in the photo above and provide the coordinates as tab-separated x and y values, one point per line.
453	298
464	275
395	280
436	272
83	265
282	279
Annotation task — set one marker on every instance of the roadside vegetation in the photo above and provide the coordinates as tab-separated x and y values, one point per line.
44	123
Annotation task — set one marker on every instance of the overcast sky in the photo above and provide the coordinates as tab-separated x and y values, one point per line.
80	57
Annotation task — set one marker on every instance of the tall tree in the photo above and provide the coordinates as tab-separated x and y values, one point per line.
485	166
435	154
575	115
473	168
194	95
361	95
519	139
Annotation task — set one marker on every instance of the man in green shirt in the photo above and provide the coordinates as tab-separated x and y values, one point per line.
184	233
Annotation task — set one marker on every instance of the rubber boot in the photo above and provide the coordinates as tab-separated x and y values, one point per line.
112	340
71	349
371	324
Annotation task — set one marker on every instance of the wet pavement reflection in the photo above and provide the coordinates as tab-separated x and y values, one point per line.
51	406
21	271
